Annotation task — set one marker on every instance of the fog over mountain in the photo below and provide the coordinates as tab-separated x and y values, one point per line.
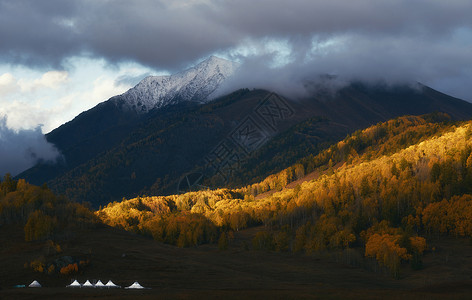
357	59
22	149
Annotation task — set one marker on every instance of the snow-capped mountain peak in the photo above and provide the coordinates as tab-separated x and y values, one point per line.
195	84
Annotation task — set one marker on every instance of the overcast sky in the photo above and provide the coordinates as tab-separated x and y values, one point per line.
58	58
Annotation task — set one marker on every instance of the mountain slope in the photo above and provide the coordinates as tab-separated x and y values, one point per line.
107	124
354	107
373	150
384	193
173	141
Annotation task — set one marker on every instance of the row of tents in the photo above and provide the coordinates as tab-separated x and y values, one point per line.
88	284
100	284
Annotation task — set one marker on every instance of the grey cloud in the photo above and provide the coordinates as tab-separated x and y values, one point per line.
401	60
153	34
31	34
165	35
383	38
21	150
278	17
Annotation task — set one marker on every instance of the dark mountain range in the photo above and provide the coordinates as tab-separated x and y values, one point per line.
239	138
102	127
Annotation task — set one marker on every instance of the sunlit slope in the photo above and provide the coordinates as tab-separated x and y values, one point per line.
410	179
433	168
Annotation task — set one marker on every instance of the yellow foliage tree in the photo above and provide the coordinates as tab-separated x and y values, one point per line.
386	250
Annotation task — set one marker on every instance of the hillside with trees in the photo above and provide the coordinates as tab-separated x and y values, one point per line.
108	154
387	209
47	223
42	214
381	193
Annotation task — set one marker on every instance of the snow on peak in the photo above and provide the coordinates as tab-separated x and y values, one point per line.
195	84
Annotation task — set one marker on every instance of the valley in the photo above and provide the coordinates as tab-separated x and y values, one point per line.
216	149
290	235
234	274
361	192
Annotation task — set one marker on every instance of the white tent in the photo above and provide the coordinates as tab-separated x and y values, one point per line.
87	284
34	284
135	285
99	284
110	284
74	284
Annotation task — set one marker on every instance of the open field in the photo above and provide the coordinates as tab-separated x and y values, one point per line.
206	272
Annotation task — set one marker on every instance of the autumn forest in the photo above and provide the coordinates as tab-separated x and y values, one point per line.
382	191
375	198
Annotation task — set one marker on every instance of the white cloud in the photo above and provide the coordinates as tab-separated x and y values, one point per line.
52	79
20	114
50	98
23	100
49	80
8	84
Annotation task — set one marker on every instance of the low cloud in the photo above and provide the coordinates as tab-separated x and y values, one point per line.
347	58
20	150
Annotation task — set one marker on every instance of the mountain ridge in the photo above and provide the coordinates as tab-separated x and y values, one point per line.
197	84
